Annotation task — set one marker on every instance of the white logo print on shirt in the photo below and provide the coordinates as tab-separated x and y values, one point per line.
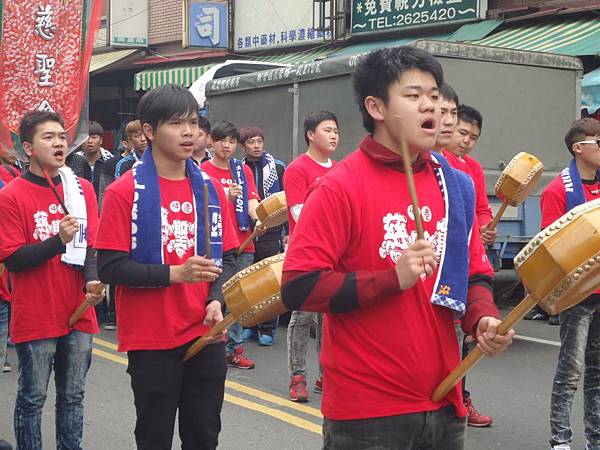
397	238
45	229
178	236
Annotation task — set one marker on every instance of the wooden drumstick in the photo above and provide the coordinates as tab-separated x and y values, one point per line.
203	341
51	184
81	309
2	267
411	188
494	223
475	355
206	222
247	241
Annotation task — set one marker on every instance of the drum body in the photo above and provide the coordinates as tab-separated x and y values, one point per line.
253	295
272	211
518	178
561	265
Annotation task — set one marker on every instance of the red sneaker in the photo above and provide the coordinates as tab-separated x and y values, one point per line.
318	386
298	391
475	419
239	360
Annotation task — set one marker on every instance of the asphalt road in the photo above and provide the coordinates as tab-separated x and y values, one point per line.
514	389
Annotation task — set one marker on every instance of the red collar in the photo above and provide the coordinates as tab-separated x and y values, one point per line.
385	156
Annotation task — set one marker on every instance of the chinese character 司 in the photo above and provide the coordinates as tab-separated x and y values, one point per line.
44	27
44	66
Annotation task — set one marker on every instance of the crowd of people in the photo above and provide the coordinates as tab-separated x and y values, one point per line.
149	236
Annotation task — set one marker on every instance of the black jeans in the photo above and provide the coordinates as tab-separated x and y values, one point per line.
434	430
162	384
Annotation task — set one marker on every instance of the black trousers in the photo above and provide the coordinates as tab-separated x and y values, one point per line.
163	385
433	430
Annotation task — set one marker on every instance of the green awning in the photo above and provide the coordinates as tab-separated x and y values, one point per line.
364	47
103	60
475	31
567	37
303	57
182	76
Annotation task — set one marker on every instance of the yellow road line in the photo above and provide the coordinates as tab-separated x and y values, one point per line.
275	413
273	398
106	344
115	358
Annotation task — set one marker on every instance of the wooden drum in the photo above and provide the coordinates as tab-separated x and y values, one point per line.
253	295
272	211
560	267
518	178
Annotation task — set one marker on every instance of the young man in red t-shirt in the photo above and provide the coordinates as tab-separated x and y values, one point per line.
238	183
450	118
322	137
152	244
52	264
390	298
579	325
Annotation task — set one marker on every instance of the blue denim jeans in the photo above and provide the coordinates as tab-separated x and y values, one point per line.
4	306
234	335
579	353
432	430
70	356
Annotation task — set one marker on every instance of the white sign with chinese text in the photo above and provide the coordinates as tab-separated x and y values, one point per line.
273	23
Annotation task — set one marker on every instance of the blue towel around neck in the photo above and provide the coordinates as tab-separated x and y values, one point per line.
241	201
146	229
573	186
451	285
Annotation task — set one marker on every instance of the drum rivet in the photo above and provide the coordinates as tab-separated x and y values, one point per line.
580	271
576	277
591	262
586	267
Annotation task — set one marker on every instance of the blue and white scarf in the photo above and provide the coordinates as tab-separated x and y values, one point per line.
573	186
451	286
271	182
146	229
241	201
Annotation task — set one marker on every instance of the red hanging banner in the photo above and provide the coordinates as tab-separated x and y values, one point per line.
45	53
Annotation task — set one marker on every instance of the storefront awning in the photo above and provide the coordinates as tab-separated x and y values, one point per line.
590	91
475	31
303	57
182	76
574	37
364	47
103	60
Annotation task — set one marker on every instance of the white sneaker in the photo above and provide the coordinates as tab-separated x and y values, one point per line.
561	447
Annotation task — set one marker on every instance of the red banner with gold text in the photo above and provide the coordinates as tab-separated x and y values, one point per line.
45	52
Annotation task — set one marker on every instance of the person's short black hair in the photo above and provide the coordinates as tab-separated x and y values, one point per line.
204	124
579	130
164	103
30	121
224	129
448	93
378	70
470	115
96	128
313	119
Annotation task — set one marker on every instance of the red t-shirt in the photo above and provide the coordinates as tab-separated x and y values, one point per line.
223	176
553	201
45	296
298	177
471	167
167	317
387	359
